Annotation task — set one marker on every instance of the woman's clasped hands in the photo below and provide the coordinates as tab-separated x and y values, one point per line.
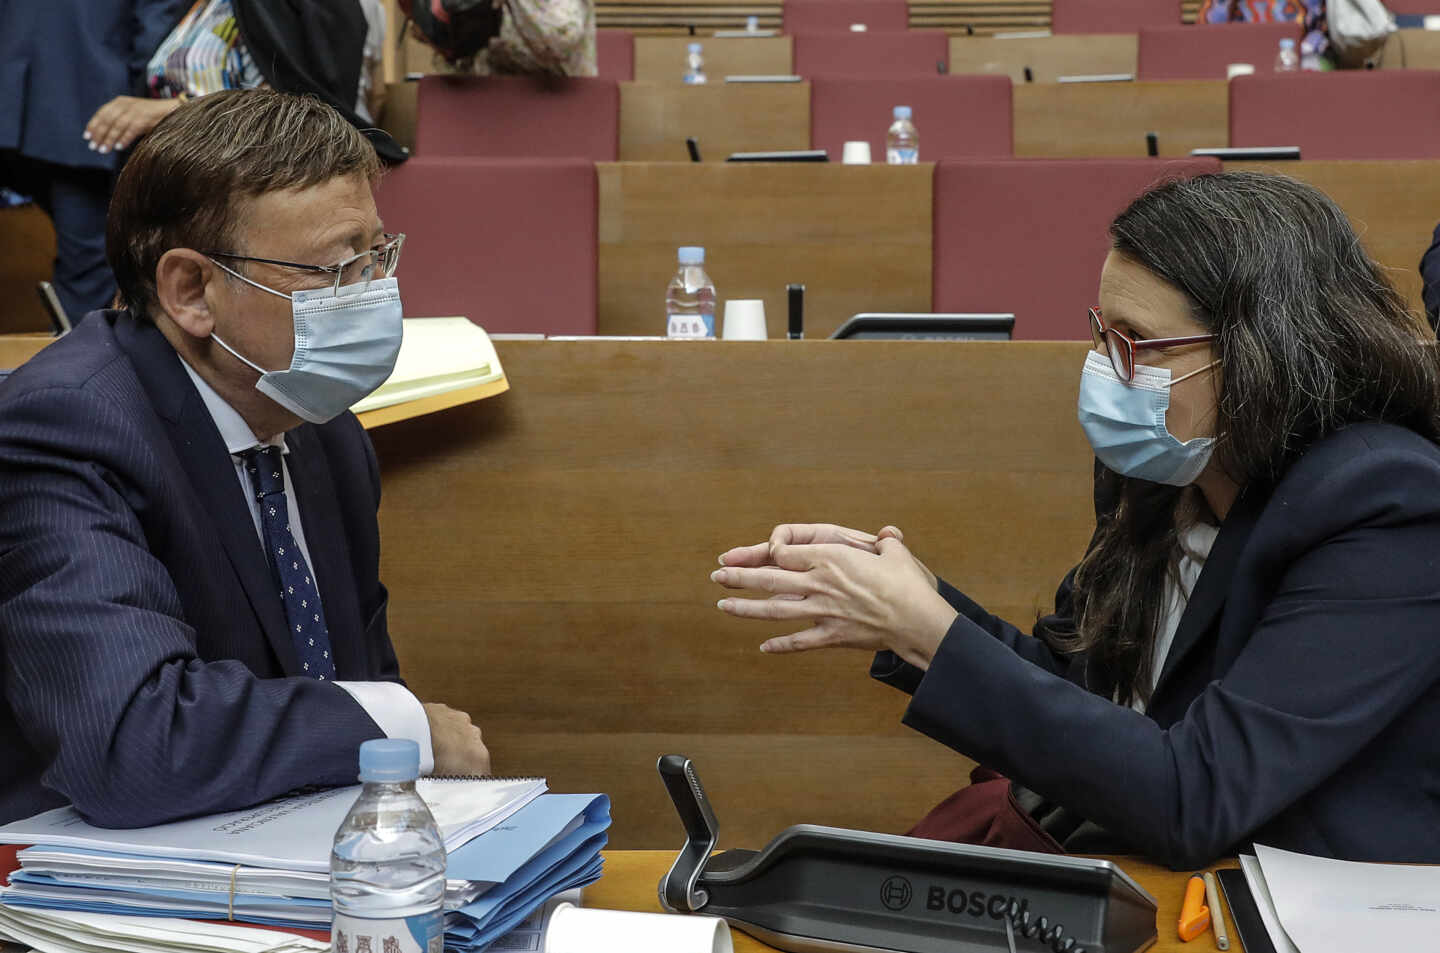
850	589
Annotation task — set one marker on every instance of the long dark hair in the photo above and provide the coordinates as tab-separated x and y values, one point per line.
1311	336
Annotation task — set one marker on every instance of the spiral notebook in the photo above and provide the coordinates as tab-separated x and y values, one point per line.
291	833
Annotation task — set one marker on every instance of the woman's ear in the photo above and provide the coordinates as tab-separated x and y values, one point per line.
182	280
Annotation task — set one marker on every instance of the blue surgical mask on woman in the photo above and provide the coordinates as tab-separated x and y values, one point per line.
346	344
1125	423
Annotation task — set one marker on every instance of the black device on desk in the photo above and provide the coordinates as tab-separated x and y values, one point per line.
927	327
829	890
788	155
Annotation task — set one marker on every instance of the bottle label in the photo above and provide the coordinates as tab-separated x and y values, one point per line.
422	933
902	156
691	326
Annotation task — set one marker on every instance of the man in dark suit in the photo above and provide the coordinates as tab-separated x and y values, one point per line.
60	60
191	618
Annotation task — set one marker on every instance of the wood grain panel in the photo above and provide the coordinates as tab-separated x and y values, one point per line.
1111	119
27	257
1048	57
655	118
548	553
859	238
661	59
1394	206
16	349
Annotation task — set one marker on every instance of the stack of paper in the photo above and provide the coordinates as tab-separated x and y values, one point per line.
437	355
1321	905
510	848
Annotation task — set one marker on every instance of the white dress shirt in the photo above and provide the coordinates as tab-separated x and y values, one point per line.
392	706
1195	545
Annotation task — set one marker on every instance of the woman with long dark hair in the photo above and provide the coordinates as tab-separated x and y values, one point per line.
1249	650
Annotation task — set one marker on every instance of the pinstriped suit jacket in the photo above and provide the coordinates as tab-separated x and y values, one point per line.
142	642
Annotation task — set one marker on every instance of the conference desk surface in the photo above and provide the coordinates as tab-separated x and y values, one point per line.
631	878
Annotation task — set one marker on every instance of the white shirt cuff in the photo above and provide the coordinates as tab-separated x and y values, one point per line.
398	713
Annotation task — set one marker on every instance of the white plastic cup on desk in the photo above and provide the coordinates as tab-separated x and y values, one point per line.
855	152
745	320
1239	69
576	930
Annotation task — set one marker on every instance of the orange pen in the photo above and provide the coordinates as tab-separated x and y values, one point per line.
1194	915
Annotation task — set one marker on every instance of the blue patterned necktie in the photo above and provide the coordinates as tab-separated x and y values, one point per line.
298	592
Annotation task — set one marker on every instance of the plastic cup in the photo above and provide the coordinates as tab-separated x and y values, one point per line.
855	153
745	320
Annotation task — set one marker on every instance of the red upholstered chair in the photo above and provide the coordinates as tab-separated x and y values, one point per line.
1412	6
518	116
1203	52
1351	114
914	53
615	54
508	243
1028	236
800	16
1112	16
955	115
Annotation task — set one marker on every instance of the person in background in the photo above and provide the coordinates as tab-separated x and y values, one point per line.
60	60
326	48
191	614
1247	650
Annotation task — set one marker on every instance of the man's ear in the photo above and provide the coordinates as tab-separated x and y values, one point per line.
182	279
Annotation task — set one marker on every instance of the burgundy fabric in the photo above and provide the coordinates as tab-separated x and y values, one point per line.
1412	6
955	115
518	116
508	243
985	813
1112	16
915	53
1029	235
615	54
1203	52
800	16
1349	114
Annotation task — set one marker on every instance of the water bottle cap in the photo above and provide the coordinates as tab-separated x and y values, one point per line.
692	255
1287	44
389	759
694	47
902	112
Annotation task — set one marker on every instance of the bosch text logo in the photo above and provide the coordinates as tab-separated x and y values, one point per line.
896	893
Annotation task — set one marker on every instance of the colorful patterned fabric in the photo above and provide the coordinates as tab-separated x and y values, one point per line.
204	54
1312	12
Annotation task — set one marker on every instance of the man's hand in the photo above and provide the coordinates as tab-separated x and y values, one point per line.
118	123
456	743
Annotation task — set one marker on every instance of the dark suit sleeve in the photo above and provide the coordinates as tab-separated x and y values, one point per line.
153	21
1345	646
890	669
99	664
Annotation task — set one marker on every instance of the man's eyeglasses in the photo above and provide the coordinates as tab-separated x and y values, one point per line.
370	265
1121	347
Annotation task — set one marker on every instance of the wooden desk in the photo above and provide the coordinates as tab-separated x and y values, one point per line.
858	236
27	254
1111	119
655	118
661	59
631	878
1394	205
1048	57
548	555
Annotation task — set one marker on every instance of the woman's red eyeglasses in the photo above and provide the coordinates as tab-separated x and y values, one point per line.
1121	347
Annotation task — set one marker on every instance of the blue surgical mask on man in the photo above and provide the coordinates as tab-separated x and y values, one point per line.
1125	423
346	343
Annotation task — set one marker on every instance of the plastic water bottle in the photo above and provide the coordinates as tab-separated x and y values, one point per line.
902	142
1309	58
694	65
1287	60
752	24
690	298
387	868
